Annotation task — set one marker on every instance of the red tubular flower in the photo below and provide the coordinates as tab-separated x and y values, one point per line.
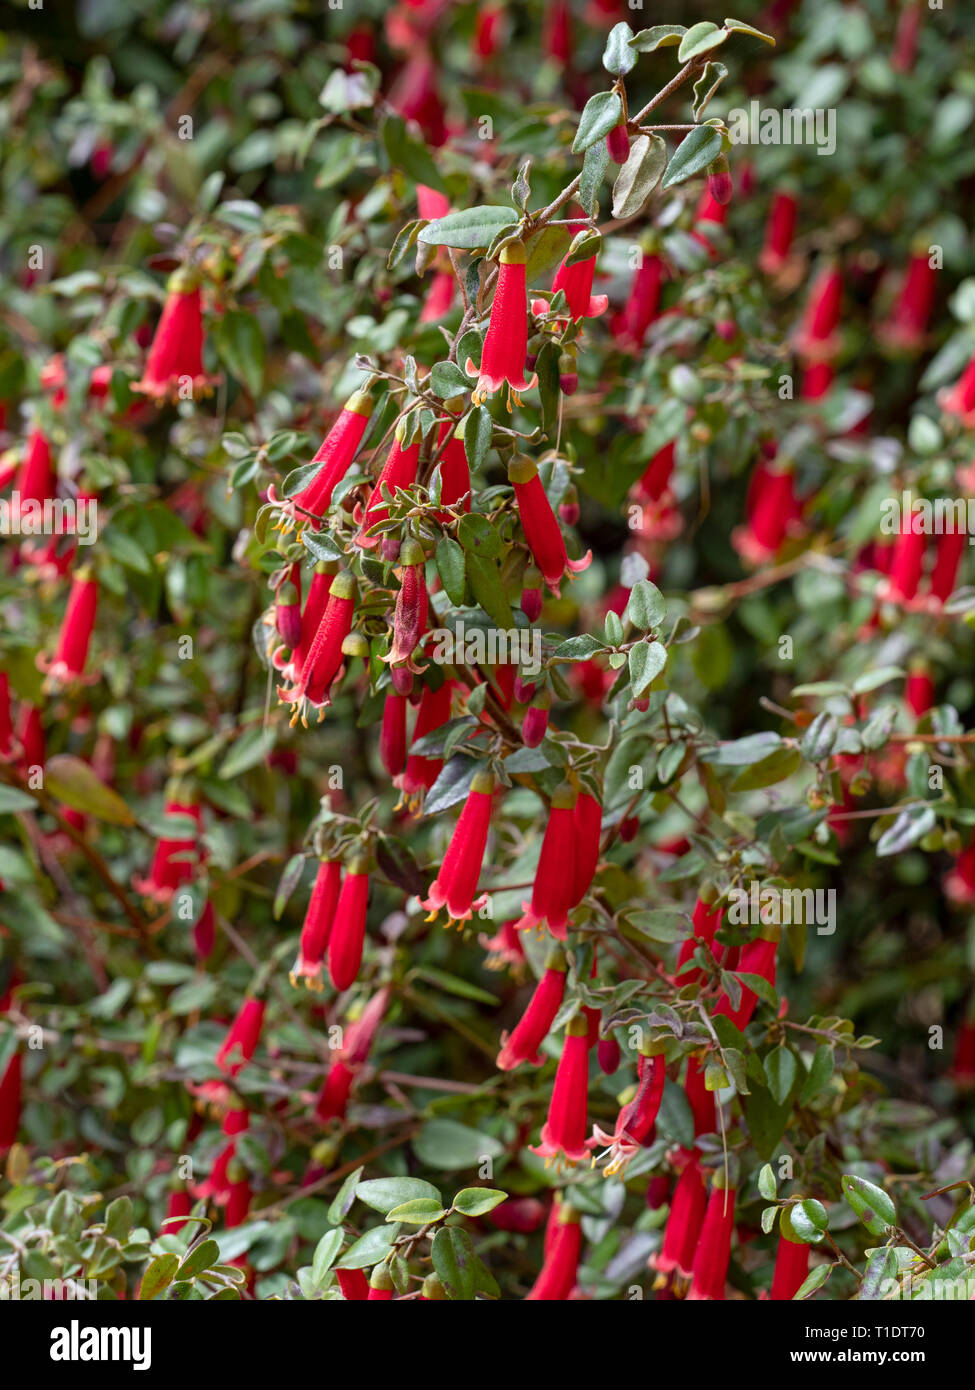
71	653
552	891
240	1044
575	282
608	1055
557	1277
174	861
333	1099
699	1098
557	32
960	882
542	531
414	95
218	1185
237	1209
791	1266
335	456
757	958
618	143
30	736
919	690
535	722
287	608
10	1100
6	720
392	737
907	324
334	1096
439	299
317	924
399	471
817	338
710	208
431	204
960	399
963	1065
311	617
504	948
907	563
354	1285
684	1220
533	1028
951	547
564	1132
905	37
35	480
771	507
349	926
521	1214
506	341
817	380
636	1120
587	820
706	921
714	1246
412	603
456	883
324	659
180	1204
175	359
640	309
380	1285
455	473
779	232
532	593
421	772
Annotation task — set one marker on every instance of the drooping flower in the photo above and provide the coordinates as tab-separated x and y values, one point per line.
220	1184
439	298
532	593
504	949
699	1098
959	400
636	1120
919	689
317	924
779	232
174	364
575	282
240	1044
791	1263
30	737
963	1063
179	1204
906	326
684	1220
757	958
706	920
392	736
557	31
960	881
35	480
907	563
817	380
771	508
290	665
817	338
535	721
455	472
713	1252
334	458
618	143
950	548
564	1131
542	530
456	883
333	1098
410	614
349	925
557	1277
68	663
287	608
523	1044
552	890
414	95
506	341
587	821
638	313
609	1055
354	1285
422	771
174	860
399	471
10	1101
324	658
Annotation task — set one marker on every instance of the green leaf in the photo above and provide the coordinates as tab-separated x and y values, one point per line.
706	86
640	175
452	784
700	38
646	661
444	1143
454	1260
469	229
73	783
478	428
118	1218
694	153
383	1194
767	1185
409	154
600	114
370	1249
158	1276
738	26
817	741
809	1221
451	562
447	380
820	1071
252	747
485	582
780	1072
418	1212
813	1281
618	57
476	534
342	1202
240	343
646	607
594	167
871	1203
660	36
477	1201
12	800
200	1258
325	1252
910	826
779	765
